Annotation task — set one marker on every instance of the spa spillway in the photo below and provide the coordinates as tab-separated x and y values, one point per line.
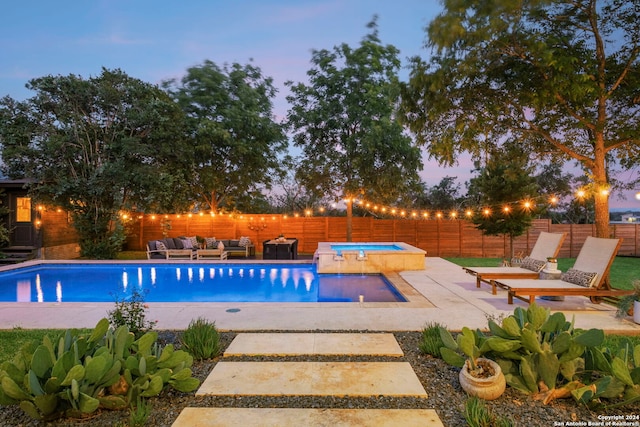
368	257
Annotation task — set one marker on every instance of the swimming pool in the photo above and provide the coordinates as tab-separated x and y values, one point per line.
190	282
339	247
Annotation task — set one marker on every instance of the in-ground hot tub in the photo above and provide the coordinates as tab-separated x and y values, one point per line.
368	257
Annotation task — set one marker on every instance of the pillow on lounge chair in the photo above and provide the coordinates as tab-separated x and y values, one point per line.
160	246
532	264
186	244
234	243
211	242
244	241
578	277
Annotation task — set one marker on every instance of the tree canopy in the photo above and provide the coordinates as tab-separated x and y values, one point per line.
562	77
94	147
344	121
235	142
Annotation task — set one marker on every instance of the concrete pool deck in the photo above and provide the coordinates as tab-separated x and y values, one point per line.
442	293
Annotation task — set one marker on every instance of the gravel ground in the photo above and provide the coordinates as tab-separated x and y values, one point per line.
439	379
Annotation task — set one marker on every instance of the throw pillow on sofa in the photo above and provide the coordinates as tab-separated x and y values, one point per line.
210	242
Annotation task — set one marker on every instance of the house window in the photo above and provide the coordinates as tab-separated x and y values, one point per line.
23	209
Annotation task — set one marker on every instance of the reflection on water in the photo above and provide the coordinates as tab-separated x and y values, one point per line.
23	291
39	289
191	283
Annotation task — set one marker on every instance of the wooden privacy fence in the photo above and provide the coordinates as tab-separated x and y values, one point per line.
443	238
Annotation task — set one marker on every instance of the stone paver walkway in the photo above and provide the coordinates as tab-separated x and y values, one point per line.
284	378
282	417
300	344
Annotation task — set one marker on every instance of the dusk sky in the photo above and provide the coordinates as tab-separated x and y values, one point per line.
158	40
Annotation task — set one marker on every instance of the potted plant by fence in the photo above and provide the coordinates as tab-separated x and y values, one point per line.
630	304
478	376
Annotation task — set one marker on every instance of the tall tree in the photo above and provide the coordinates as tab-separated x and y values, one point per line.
561	76
344	122
507	189
236	141
94	147
444	196
4	232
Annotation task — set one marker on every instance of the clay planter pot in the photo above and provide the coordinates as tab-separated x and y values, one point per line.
488	388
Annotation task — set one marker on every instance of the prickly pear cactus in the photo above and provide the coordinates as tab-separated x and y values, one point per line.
74	375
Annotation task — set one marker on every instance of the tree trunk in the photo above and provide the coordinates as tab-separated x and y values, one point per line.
349	219
601	189
602	215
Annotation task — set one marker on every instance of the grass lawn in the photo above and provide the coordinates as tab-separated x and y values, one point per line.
11	340
622	274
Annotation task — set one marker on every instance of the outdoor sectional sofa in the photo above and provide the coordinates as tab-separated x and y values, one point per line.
178	248
242	246
170	248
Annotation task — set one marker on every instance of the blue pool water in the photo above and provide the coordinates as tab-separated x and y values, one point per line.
365	247
190	283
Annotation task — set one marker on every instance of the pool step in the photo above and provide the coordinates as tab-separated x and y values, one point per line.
300	344
279	417
287	378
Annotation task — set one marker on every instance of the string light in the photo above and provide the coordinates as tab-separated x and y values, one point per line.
399	212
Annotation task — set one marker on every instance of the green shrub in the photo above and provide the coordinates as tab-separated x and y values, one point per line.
431	340
132	313
201	339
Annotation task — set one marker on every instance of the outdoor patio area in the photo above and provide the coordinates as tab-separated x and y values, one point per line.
445	294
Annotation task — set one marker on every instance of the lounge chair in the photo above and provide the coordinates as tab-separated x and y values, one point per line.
588	277
547	245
